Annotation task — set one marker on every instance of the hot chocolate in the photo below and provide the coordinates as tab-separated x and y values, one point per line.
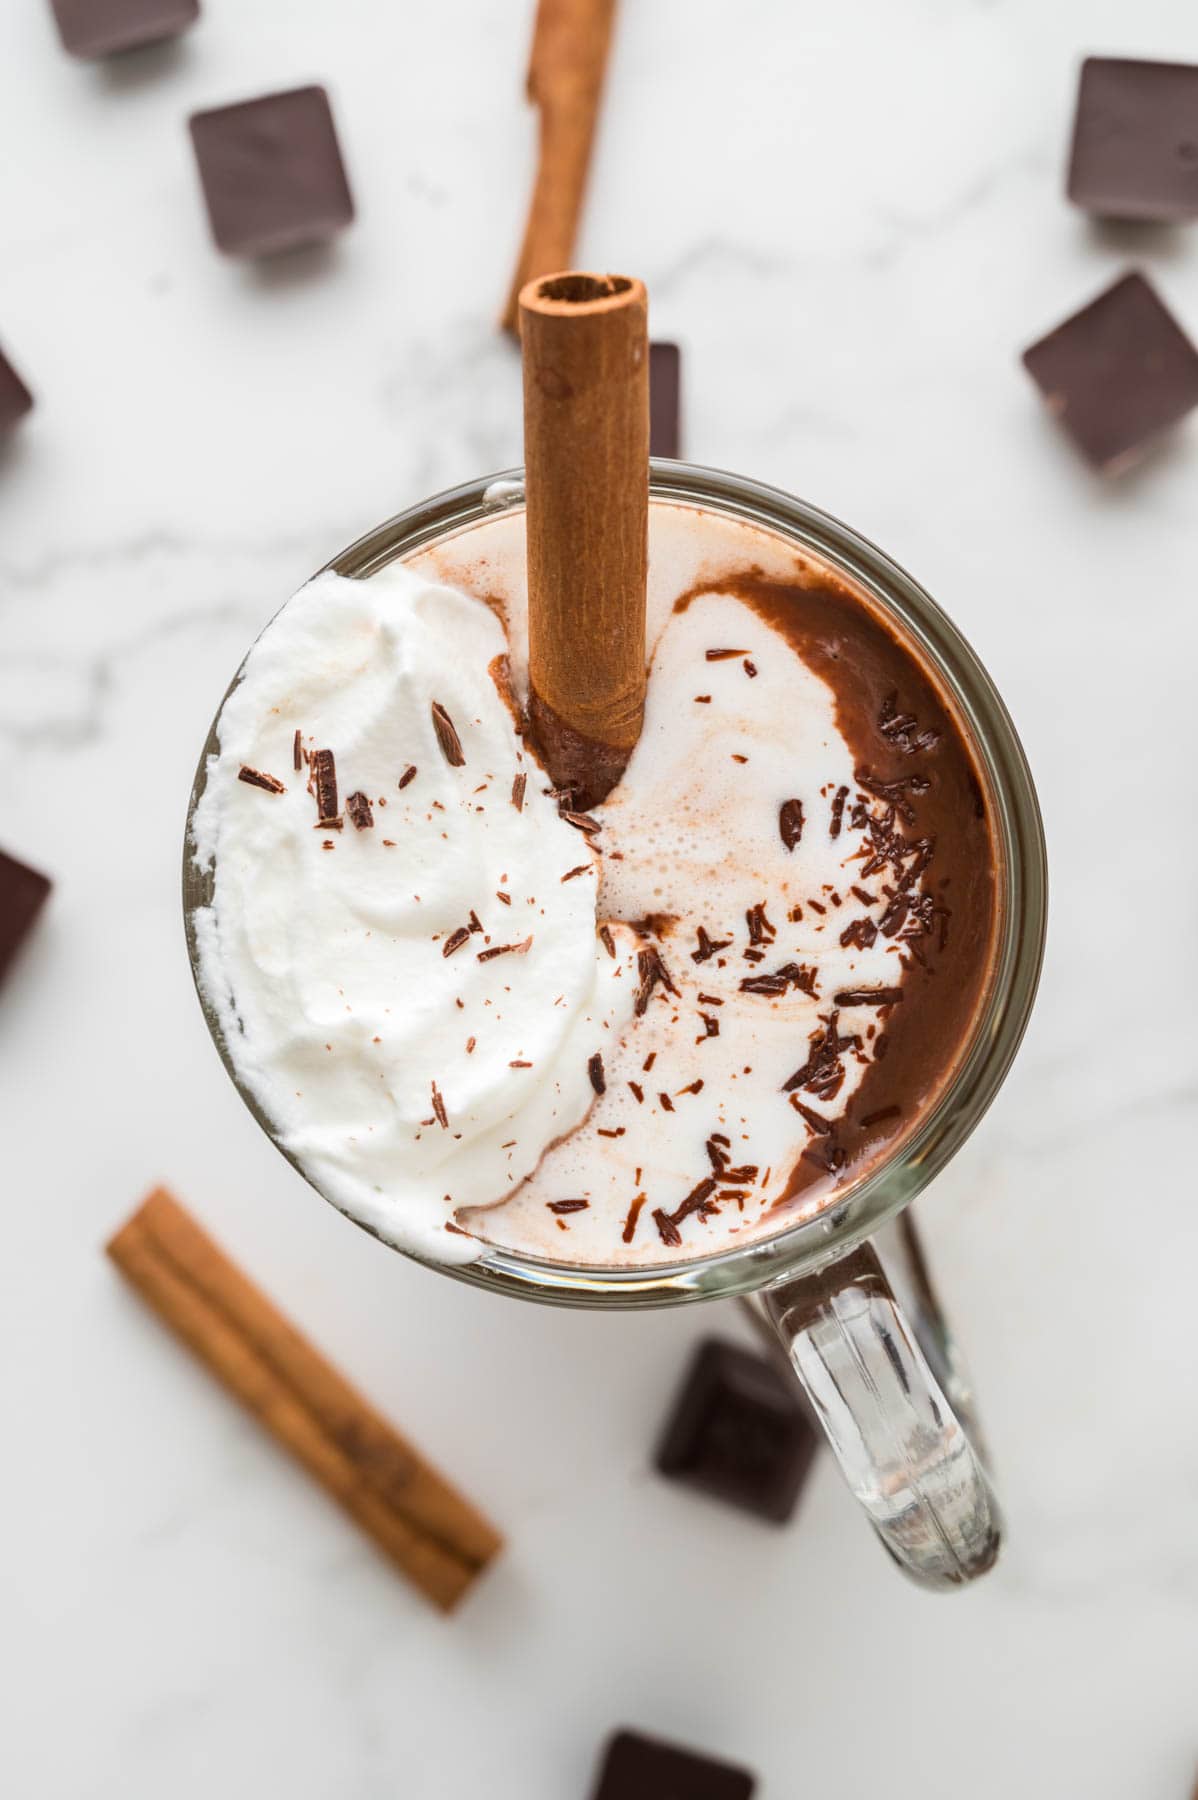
640	1035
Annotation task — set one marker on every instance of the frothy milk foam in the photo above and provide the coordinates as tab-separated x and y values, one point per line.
472	1019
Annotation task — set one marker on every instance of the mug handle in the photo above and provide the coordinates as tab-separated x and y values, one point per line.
900	1444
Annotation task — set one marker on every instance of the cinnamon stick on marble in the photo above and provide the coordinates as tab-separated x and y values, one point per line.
586	457
416	1518
570	47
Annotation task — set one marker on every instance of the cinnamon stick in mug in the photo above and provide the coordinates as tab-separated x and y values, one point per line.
434	1535
586	455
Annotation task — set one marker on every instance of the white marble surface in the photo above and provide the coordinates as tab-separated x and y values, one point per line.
852	218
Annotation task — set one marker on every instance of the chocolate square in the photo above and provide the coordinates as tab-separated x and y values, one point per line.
94	28
665	381
1135	140
22	895
640	1768
15	398
1117	373
739	1432
272	172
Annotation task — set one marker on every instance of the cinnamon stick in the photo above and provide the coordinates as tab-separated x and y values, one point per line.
427	1529
570	46
586	456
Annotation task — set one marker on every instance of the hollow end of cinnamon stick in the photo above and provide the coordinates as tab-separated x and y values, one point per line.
585	341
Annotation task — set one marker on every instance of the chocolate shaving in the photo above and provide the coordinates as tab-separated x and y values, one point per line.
297	750
634	1213
865	899
505	950
859	935
595	1071
780	981
883	996
583	822
708	946
823	1072
323	778
447	737
667	1230
711	1027
439	1108
519	783
474	922
760	929
270	784
567	1206
723	655
842	794
830	1156
895	792
606	939
819	1125
902	729
790	822
409	774
652	972
519	1065
695	1201
750	669
638	1092
580	870
455	940
702	699
359	810
470	1043
500	895
666	1104
692	1087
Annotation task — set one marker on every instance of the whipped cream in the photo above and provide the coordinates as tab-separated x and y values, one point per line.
409	1071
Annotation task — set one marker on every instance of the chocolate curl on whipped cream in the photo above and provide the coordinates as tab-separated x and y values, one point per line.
586	454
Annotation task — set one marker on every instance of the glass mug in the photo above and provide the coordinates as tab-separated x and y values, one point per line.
884	1378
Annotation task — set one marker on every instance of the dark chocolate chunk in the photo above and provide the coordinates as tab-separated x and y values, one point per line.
1135	140
1117	374
595	1071
739	1432
15	398
272	172
94	28
641	1768
23	893
664	390
360	811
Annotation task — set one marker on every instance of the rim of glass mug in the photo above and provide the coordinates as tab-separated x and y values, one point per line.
847	1221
